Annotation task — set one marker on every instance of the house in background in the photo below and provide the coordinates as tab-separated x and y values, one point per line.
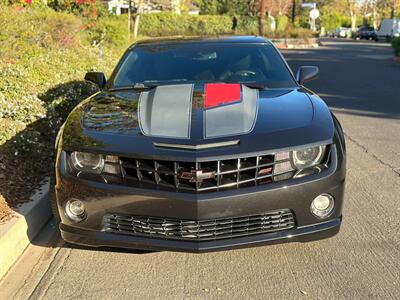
118	6
151	6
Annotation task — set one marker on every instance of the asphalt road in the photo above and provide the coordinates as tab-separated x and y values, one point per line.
362	86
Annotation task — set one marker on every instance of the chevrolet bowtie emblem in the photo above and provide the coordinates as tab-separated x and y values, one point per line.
197	175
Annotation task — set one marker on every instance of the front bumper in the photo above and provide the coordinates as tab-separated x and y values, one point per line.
296	195
104	239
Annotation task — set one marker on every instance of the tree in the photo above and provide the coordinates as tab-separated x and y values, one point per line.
381	9
263	10
231	7
136	18
388	8
136	8
352	7
278	7
208	7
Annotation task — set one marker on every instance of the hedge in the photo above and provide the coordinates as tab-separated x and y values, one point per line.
167	24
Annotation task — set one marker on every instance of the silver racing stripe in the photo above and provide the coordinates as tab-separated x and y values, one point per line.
232	119
166	111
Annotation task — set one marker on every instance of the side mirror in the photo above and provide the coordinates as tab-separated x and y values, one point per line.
97	78
306	73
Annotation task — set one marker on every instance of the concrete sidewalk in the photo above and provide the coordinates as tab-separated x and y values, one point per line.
17	233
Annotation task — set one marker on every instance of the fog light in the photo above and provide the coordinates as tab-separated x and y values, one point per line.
322	206
75	210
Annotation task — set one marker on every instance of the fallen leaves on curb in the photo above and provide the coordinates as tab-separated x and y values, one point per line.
6	213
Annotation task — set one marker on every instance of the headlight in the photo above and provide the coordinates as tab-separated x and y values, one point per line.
307	157
87	162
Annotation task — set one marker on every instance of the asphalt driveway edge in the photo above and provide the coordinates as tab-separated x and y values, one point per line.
19	232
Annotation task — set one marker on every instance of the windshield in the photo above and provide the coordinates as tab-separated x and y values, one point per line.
258	64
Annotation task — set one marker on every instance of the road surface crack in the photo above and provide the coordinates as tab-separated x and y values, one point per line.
374	156
58	268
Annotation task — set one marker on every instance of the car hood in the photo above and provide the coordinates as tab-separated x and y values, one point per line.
131	122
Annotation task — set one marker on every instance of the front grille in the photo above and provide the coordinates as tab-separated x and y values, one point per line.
201	176
199	230
197	177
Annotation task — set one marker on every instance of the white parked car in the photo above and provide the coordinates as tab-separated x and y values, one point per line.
343	32
389	29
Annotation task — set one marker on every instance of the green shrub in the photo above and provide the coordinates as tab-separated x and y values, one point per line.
211	25
43	58
169	24
111	30
161	24
282	23
333	20
246	25
298	33
396	46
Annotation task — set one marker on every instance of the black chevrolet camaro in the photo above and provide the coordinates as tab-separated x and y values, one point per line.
196	145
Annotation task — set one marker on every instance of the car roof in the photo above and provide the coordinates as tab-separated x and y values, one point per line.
201	39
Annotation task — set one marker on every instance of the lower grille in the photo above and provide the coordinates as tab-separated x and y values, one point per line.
199	230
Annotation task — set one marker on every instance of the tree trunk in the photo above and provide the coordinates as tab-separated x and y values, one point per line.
137	19
293	11
353	15
136	26
261	19
374	17
353	21
129	18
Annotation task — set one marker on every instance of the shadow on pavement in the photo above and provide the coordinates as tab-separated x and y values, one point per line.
49	237
27	158
352	82
107	249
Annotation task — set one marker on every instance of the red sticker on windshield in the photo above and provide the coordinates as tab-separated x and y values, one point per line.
217	94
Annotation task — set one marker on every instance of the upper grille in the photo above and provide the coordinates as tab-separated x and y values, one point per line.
201	176
200	230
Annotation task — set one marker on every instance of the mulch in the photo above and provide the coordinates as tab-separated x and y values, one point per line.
19	176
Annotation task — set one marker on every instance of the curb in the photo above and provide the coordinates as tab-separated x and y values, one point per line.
296	43
19	232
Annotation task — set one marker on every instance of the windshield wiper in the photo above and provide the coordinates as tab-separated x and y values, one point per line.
252	85
258	86
136	86
144	87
